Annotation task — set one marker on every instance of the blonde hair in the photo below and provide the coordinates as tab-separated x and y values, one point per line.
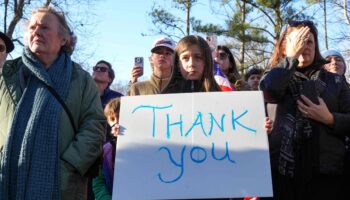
64	29
112	107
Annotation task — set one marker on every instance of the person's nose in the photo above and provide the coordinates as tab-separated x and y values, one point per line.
191	62
37	31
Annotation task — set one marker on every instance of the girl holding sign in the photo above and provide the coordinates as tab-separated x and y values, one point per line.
193	71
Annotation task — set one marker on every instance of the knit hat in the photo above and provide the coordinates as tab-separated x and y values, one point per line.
8	42
163	42
332	53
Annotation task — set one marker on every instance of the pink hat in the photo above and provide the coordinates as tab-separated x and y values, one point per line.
163	42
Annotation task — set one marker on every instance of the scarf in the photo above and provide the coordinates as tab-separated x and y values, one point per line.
299	147
29	165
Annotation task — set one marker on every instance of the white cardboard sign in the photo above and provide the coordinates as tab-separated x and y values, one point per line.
193	145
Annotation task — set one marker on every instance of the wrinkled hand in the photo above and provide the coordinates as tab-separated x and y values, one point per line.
296	42
136	72
316	112
268	125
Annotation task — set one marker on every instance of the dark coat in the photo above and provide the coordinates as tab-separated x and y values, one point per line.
336	95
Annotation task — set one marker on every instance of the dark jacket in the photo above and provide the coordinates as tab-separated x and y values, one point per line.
108	95
336	95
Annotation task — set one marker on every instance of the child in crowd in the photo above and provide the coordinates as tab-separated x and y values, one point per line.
193	69
103	184
253	76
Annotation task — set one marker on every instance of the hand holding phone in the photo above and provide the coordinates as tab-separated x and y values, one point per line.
212	41
310	91
137	70
139	61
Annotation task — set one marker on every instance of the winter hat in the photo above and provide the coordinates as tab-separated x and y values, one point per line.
332	53
163	42
8	42
335	53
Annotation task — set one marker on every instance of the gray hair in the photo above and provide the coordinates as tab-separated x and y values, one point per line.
64	29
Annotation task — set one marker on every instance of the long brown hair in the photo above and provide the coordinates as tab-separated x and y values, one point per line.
233	67
209	83
280	47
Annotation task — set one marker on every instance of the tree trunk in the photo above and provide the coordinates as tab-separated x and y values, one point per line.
345	5
188	9
242	45
325	23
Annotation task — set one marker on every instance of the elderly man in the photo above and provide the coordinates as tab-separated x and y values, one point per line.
6	46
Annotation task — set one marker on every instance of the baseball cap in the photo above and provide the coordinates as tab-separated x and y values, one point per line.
163	42
8	42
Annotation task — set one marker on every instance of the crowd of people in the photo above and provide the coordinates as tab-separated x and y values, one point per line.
57	121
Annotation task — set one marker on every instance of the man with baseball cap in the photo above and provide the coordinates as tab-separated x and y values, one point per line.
162	62
6	46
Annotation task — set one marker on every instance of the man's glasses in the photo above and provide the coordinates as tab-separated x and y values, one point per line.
100	69
222	56
2	48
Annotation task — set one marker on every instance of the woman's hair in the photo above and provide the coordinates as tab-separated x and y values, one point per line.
64	29
112	107
208	81
280	47
233	67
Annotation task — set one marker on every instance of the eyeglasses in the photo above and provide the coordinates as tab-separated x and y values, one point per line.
100	69
222	56
2	48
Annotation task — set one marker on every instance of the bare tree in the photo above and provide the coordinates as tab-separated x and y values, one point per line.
76	13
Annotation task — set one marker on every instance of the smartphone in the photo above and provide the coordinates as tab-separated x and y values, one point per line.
139	61
310	91
212	40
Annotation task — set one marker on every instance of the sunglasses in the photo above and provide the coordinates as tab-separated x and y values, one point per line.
222	56
100	69
2	48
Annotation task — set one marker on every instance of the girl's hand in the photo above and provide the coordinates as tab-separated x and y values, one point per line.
115	130
268	125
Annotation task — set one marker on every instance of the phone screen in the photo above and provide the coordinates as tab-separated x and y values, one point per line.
310	91
139	61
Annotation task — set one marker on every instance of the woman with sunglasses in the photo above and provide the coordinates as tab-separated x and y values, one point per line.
312	118
45	152
226	61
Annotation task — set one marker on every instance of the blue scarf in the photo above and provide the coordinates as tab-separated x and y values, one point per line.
29	165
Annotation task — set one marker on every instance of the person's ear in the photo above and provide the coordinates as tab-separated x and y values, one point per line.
64	41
